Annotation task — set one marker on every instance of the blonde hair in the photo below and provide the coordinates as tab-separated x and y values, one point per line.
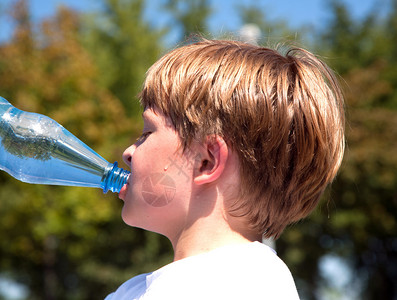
282	114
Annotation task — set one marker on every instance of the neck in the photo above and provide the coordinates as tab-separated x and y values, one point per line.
206	235
207	224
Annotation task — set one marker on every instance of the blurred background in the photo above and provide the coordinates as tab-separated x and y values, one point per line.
83	62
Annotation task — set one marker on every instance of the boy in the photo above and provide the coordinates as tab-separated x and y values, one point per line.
238	142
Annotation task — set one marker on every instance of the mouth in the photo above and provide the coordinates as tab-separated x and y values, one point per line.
123	191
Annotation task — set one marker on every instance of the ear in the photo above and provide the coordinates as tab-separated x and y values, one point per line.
211	160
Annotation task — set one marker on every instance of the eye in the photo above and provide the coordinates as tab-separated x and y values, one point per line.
143	136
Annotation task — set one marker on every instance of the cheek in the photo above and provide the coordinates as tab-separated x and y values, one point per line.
157	205
158	194
146	157
159	185
155	190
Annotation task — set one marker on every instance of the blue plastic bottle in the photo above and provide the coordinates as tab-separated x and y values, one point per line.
36	149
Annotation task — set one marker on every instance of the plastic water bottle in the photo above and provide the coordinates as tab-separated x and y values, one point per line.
36	149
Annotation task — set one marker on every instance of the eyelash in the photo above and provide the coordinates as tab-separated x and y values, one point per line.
143	136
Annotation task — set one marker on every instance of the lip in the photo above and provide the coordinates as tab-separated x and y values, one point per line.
123	191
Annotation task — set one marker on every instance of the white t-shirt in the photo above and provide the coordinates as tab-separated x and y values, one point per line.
245	271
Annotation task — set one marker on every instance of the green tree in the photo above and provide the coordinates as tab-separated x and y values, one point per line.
61	242
123	46
190	16
271	32
352	43
357	219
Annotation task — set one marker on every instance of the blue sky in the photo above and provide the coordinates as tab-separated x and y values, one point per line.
311	13
297	13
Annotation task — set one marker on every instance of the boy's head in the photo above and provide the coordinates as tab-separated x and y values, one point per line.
282	114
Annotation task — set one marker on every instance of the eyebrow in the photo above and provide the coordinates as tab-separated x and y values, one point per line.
147	117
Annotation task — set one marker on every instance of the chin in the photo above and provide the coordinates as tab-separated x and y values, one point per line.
128	216
131	218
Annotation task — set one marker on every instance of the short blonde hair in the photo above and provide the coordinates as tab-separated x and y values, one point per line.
282	114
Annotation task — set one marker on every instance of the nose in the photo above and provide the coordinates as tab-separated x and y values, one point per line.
127	155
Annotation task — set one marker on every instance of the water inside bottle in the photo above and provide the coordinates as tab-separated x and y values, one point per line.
45	152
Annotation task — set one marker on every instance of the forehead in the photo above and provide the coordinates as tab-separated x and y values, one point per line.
154	115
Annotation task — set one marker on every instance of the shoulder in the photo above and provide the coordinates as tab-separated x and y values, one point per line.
131	289
250	271
265	260
269	273
257	263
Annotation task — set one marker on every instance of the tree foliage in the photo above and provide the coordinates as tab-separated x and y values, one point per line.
123	46
357	220
61	242
271	32
190	16
70	243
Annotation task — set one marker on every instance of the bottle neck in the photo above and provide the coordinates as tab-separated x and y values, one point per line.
114	178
